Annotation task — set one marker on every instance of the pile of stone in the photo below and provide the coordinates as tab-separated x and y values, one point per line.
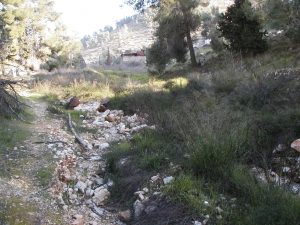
80	185
285	168
110	125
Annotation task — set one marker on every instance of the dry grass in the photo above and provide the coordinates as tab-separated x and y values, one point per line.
92	84
81	88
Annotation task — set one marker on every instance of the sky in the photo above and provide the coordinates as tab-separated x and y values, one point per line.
87	16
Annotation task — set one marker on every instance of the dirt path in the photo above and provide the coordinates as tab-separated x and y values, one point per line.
26	197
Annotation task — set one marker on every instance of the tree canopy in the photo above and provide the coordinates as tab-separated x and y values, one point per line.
177	19
283	15
142	4
27	30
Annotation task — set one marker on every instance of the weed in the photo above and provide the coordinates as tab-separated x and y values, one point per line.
148	150
14	211
44	176
118	152
187	190
271	90
12	132
265	204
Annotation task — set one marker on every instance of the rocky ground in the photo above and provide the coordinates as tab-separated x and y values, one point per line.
56	181
81	185
284	170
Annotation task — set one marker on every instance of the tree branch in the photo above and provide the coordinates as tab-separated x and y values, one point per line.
81	142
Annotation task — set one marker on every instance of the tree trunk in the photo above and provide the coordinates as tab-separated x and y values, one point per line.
191	47
2	67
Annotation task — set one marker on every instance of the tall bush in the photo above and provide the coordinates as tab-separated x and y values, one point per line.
158	56
241	28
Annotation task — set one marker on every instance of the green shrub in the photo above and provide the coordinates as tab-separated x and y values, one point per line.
151	150
273	90
218	148
226	81
148	150
212	160
142	101
189	191
118	151
51	64
44	176
276	14
275	208
158	56
271	127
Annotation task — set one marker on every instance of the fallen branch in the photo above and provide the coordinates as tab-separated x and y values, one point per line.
7	82
81	142
95	210
50	142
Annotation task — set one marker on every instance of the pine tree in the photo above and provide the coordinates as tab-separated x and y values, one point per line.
176	19
241	29
24	34
190	21
108	59
158	55
283	15
142	4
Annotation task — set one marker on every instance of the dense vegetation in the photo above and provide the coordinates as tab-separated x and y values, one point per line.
215	129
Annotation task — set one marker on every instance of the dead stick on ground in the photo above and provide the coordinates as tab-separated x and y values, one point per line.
81	142
50	142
